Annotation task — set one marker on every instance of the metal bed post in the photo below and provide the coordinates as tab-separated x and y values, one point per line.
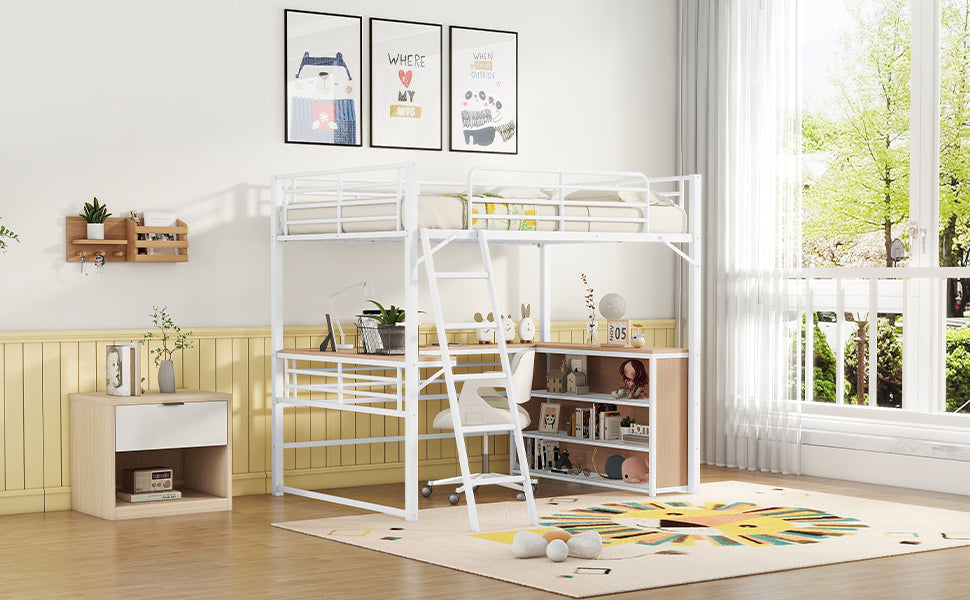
694	338
545	300
411	371
276	338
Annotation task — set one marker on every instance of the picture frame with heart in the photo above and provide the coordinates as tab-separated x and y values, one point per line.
405	84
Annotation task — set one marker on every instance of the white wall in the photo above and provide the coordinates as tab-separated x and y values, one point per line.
179	106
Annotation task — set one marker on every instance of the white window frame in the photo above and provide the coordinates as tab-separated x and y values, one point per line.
921	427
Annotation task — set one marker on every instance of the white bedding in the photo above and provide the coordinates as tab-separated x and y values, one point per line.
447	211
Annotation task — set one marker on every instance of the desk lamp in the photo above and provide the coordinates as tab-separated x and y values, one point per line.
368	290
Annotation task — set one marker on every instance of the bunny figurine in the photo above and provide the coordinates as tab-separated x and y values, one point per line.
527	327
484	335
508	328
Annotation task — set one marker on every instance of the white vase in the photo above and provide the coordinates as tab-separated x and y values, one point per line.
166	377
95	231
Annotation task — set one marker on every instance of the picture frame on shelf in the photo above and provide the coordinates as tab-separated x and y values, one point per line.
549	418
323	56
483	90
122	377
405	84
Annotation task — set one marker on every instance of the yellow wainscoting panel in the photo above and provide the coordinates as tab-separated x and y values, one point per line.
39	370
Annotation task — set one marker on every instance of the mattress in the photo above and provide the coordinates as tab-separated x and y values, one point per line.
494	212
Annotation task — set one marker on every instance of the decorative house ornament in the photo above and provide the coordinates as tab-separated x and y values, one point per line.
576	383
555	380
575	379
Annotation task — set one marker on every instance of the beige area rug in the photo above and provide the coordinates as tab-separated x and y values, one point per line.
727	530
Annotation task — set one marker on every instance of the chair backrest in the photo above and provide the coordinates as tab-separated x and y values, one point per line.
523	364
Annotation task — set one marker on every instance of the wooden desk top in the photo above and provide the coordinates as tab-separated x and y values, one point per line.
427	354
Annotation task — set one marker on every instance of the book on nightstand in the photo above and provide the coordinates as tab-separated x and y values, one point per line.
149	496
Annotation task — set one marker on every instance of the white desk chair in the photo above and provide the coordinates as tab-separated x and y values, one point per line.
480	403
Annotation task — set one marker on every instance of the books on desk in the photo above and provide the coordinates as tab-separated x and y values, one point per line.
149	496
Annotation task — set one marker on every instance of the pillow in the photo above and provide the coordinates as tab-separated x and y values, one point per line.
518	192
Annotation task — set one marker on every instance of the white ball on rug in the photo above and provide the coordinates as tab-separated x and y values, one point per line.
557	550
587	544
528	544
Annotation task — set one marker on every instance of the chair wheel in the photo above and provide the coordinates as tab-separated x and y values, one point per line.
453	499
520	496
426	491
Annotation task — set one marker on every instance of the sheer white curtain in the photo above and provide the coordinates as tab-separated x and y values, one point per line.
739	128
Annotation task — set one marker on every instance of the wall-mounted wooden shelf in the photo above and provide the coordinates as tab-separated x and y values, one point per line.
124	241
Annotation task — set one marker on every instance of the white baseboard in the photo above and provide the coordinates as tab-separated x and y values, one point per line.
917	472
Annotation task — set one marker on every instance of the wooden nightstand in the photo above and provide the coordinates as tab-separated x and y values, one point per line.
188	431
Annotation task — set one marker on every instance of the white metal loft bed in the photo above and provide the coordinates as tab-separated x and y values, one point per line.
388	203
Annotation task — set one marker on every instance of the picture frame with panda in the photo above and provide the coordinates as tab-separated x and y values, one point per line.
548	418
483	90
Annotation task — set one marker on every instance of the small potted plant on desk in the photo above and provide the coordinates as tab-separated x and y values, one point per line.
387	324
170	333
626	425
95	215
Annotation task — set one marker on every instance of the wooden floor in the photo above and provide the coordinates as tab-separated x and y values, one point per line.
239	555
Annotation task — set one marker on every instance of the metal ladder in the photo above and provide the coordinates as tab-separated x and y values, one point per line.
514	429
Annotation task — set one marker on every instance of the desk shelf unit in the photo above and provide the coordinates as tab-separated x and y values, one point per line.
188	431
665	410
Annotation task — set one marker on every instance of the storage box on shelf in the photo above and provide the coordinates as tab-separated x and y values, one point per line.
664	411
126	241
187	431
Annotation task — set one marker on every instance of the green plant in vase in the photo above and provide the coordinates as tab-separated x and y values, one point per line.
386	316
169	334
390	336
95	214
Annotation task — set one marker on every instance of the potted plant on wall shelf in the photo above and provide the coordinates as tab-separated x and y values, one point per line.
382	331
171	334
95	215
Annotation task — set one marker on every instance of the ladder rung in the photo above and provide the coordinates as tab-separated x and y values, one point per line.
479	376
471	325
469	429
461	275
492	479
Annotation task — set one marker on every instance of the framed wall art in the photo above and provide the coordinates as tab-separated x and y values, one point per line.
483	97
405	85
323	57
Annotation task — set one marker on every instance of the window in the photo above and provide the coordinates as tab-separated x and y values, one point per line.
886	201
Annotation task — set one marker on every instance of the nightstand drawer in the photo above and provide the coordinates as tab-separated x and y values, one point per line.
154	426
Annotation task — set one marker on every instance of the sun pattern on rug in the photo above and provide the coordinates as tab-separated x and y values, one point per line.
721	524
